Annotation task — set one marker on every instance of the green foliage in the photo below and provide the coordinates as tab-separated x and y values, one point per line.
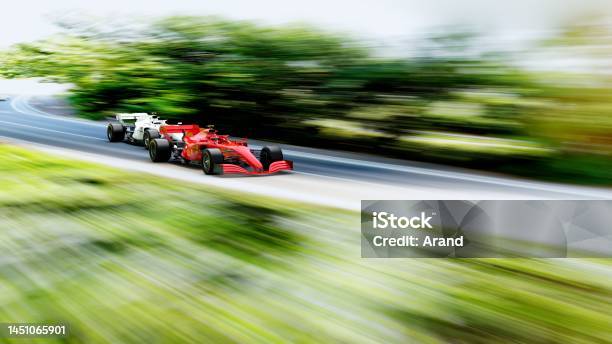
305	86
131	258
233	73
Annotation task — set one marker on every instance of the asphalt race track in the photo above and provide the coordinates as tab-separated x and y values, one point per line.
320	176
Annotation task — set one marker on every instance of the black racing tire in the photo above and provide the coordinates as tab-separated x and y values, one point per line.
159	150
270	154
212	158
149	135
115	132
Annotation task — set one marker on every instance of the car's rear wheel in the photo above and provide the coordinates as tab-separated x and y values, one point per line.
270	154
212	158
159	150
115	132
149	135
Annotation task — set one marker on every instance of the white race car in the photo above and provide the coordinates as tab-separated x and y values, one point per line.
135	128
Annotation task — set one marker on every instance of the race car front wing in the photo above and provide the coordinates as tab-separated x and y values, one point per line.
277	166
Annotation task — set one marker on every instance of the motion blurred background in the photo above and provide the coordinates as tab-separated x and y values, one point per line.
518	87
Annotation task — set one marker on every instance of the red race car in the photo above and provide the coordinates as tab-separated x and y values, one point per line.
217	154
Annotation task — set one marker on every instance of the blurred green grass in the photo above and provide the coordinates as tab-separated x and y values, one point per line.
125	257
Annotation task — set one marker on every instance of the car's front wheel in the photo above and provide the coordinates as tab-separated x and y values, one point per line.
159	150
212	158
149	135
270	154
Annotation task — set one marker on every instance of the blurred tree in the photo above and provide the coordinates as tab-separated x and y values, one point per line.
306	86
238	74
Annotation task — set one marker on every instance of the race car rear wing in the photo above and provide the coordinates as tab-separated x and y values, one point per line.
179	128
131	116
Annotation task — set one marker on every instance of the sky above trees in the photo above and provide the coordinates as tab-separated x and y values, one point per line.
371	19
